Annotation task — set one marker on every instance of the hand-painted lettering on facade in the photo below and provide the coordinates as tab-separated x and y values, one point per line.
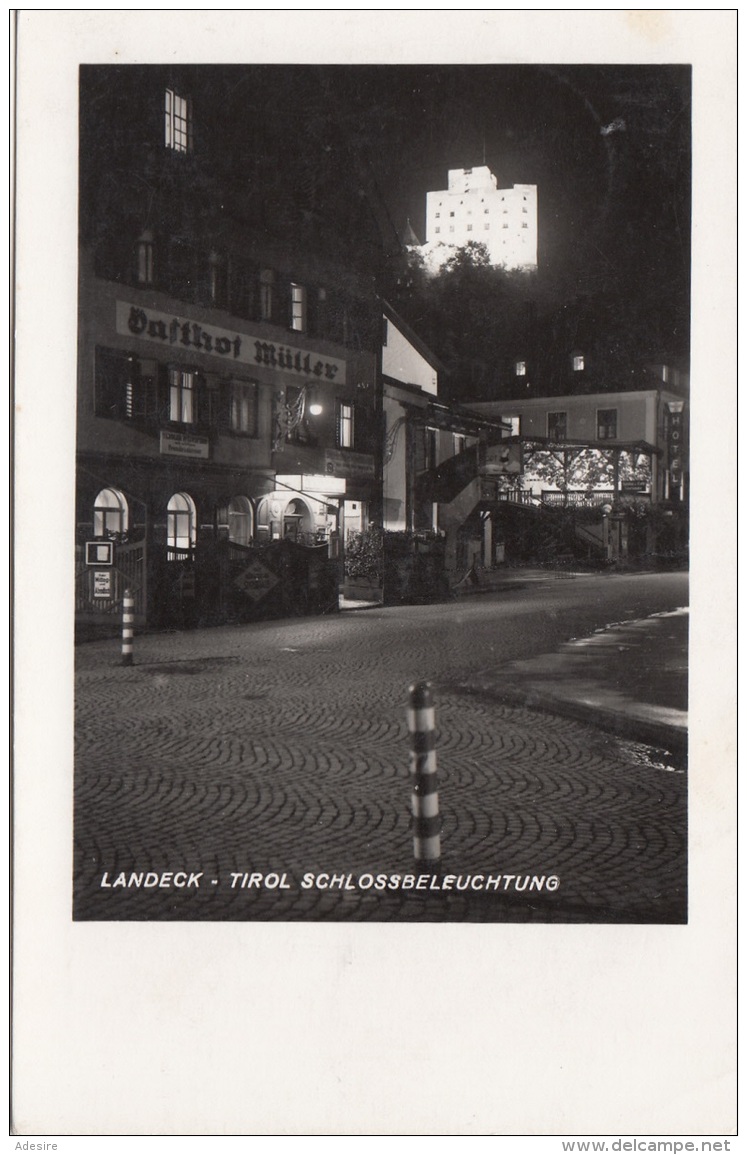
245	348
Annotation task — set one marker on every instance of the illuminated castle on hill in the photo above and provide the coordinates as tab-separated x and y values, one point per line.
473	208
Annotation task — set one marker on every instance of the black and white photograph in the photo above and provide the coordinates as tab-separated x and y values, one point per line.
379	524
381	598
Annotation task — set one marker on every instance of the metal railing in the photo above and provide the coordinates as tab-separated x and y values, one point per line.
517	496
577	499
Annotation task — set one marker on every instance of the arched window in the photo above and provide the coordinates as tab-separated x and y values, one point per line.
110	514
181	530
240	520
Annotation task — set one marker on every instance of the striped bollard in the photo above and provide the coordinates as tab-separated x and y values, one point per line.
421	722
128	618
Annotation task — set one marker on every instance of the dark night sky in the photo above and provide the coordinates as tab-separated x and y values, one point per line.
621	199
614	208
532	124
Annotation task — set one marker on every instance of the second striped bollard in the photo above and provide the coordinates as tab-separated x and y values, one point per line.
128	618
421	722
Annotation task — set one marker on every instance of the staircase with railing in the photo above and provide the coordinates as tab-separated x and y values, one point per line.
459	485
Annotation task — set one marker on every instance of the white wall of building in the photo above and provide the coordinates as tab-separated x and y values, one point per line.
473	208
636	413
401	360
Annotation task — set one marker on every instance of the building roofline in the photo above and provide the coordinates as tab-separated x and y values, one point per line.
408	332
558	399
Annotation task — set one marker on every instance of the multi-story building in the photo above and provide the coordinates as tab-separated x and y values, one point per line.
473	208
229	345
432	450
630	432
613	452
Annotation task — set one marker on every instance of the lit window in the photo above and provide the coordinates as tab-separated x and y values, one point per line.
606	424
243	409
177	122
344	425
110	514
520	368
298	308
557	426
181	519
514	426
182	407
578	362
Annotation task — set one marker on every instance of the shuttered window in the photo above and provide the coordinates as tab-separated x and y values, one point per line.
242	408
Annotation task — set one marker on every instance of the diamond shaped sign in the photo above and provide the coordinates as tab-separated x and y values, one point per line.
256	580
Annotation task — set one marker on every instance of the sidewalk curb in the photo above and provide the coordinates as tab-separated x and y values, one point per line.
626	723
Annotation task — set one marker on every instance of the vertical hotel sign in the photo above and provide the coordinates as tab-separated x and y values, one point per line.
676	446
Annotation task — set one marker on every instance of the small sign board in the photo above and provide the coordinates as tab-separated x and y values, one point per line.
102	583
99	553
184	444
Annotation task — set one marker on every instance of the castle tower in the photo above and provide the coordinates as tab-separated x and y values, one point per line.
473	208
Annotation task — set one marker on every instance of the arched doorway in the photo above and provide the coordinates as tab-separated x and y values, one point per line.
298	520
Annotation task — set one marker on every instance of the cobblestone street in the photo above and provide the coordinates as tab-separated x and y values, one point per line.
282	749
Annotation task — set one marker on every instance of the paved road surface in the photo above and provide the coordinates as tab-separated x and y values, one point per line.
281	749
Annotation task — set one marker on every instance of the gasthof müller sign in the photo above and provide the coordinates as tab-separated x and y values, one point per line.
244	348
